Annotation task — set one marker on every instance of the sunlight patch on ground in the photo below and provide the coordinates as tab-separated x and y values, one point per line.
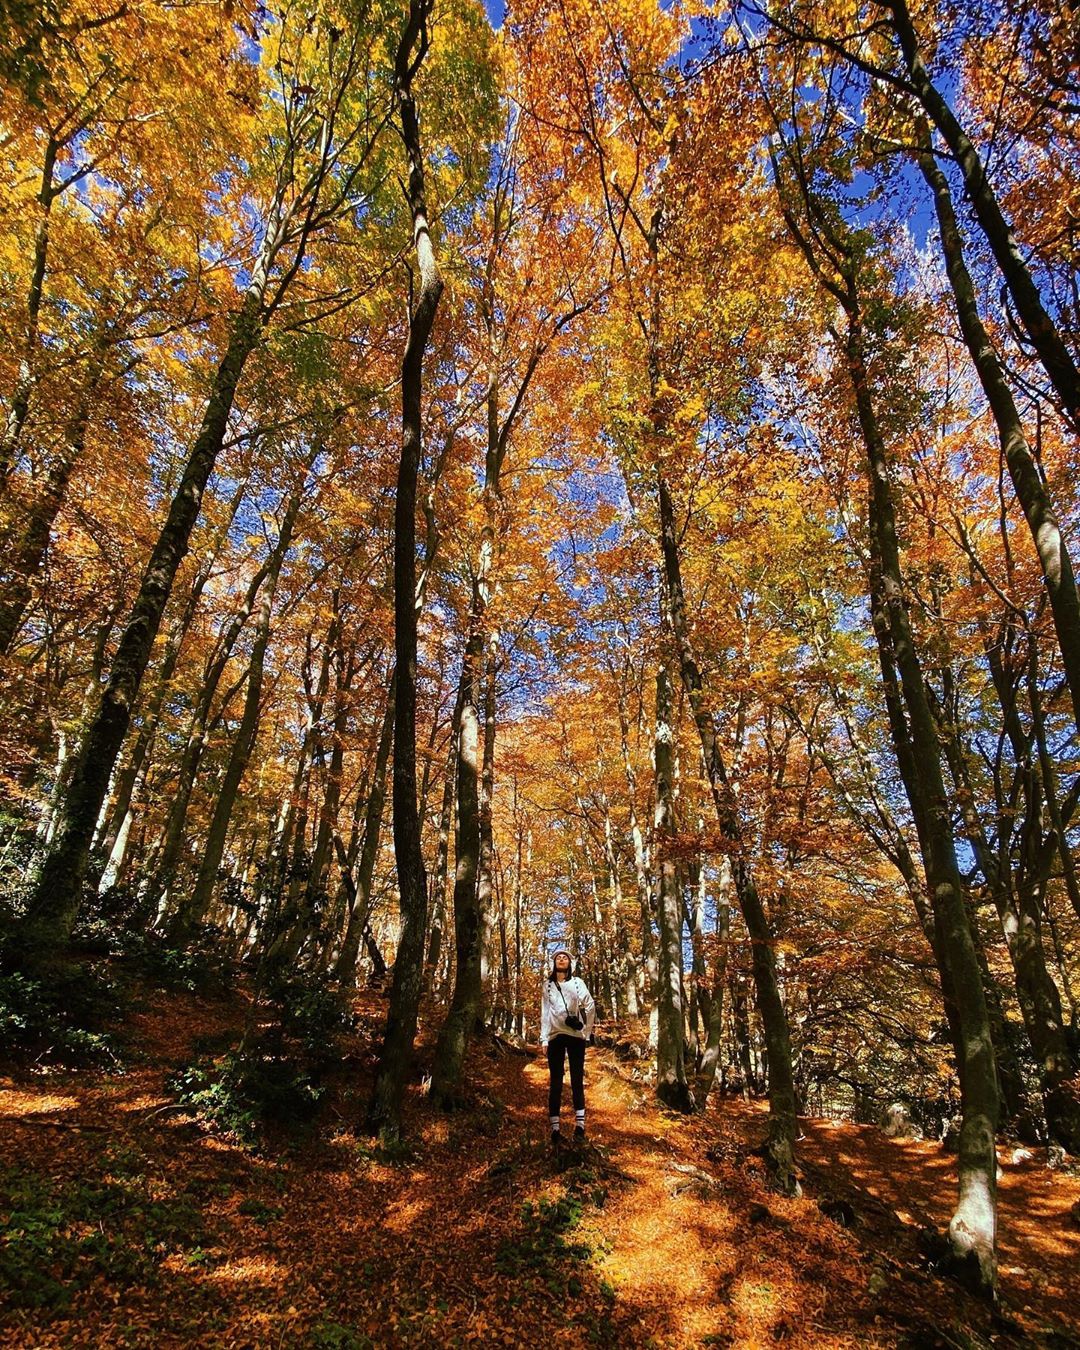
18	1105
263	1270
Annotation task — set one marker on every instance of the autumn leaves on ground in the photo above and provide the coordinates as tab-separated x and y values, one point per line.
132	1219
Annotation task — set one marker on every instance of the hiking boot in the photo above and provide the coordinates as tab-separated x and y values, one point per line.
556	1138
579	1131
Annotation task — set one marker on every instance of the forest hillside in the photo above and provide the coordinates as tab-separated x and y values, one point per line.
140	1213
536	540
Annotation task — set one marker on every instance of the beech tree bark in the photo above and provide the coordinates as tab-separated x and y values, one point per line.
164	871
780	1144
972	1229
192	913
136	768
360	898
671	1080
396	1057
465	1002
433	962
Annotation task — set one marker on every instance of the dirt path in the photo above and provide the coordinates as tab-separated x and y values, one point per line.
127	1224
710	1256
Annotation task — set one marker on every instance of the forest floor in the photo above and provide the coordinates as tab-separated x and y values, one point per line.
124	1221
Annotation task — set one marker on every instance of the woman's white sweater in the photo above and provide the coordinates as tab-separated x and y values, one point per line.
554	1011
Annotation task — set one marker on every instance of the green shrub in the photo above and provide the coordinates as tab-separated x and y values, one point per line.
242	1093
276	1077
312	1014
61	1014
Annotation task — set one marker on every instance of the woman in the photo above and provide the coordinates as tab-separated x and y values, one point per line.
567	1013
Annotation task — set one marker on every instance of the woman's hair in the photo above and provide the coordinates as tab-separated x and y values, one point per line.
560	952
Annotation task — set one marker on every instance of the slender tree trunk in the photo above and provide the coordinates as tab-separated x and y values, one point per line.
357	906
396	1056
468	930
191	914
164	872
485	870
972	1229
360	899
297	919
715	1028
1053	805
345	669
1018	902
442	854
135	771
780	1145
671	1081
641	862
740	1017
68	749
696	923
1031	491
622	973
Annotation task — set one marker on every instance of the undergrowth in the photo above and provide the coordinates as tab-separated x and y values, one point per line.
57	1237
65	1015
275	1076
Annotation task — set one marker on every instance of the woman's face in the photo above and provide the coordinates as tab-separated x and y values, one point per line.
562	963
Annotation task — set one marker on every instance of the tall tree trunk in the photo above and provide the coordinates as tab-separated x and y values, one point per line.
297	918
163	876
1018	902
972	1228
360	899
396	1056
671	1082
780	1145
191	914
344	672
715	1028
135	769
485	870
468	929
433	962
641	860
695	917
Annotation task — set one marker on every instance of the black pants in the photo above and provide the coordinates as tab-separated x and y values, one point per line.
573	1049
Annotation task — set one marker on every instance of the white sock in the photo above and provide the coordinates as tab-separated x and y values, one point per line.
554	1122
579	1118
